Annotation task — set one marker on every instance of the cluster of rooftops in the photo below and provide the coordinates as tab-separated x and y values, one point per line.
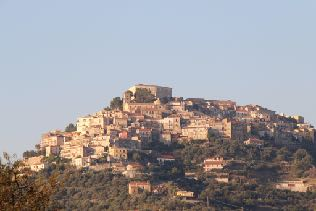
115	133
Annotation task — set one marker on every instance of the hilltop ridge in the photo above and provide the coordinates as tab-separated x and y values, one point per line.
184	151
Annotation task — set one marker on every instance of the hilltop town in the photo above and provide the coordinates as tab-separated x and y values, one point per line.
159	142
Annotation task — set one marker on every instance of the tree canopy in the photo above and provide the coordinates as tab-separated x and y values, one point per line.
144	96
302	162
19	190
30	153
116	103
71	128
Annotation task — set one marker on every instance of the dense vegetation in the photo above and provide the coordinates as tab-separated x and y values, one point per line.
71	128
255	169
116	103
20	190
88	190
143	96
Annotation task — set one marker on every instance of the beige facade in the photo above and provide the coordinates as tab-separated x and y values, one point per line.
295	186
133	170
81	162
52	150
195	133
214	163
74	151
201	122
53	138
187	194
171	124
84	123
97	151
94	131
153	110
118	153
103	141
35	163
176	106
122	122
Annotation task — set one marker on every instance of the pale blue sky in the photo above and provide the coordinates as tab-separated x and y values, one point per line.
63	59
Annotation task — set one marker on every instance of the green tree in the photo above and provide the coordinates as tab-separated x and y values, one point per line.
302	162
20	190
283	154
71	128
210	135
31	153
144	96
116	103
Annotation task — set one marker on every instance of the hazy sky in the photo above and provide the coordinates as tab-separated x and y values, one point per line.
63	59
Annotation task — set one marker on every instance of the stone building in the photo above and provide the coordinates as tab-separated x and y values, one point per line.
195	133
118	152
53	138
35	163
214	163
294	185
138	187
171	123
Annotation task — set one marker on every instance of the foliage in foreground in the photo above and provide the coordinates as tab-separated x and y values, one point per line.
19	190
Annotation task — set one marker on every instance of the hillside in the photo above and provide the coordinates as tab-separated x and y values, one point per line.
152	151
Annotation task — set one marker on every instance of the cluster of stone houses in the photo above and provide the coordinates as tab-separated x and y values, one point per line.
301	185
115	133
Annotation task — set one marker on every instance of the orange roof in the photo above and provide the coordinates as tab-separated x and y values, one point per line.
166	156
217	162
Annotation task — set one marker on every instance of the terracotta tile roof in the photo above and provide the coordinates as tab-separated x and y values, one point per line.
209	163
166	156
